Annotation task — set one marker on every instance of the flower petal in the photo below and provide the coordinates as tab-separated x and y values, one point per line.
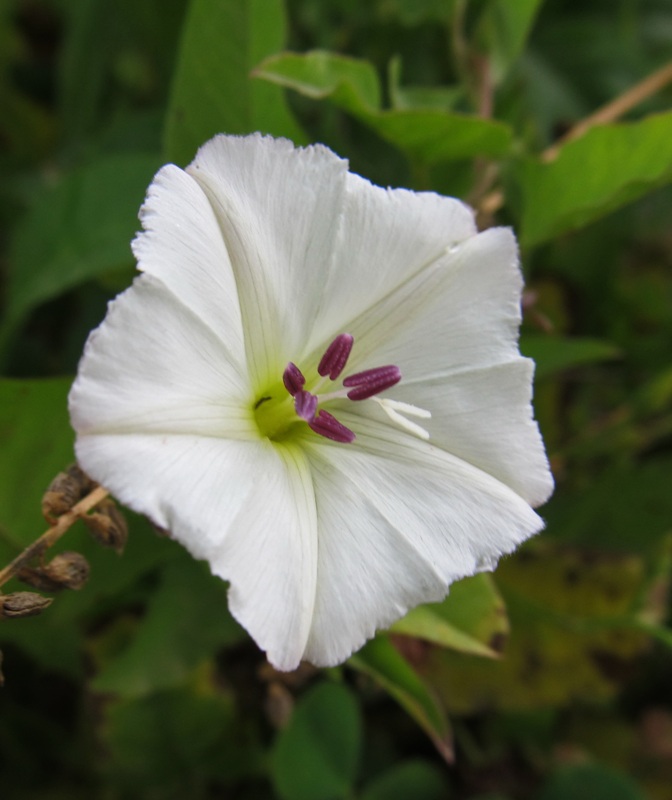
246	507
278	208
398	522
462	311
386	236
484	417
153	366
182	246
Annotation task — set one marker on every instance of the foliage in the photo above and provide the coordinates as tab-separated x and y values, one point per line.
546	681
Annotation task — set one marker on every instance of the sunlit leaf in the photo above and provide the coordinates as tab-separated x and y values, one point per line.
472	619
606	168
212	90
426	135
317	755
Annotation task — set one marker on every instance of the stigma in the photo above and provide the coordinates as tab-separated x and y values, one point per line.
357	387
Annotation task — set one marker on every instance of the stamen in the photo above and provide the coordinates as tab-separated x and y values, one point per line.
305	404
392	409
371	381
335	357
328	426
293	379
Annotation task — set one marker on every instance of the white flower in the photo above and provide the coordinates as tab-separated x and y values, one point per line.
199	403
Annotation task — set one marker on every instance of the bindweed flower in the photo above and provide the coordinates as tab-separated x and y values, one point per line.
315	385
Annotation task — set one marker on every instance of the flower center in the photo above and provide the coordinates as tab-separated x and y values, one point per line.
278	411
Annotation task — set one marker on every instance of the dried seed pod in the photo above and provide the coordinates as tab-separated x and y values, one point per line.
2	677
22	604
67	570
66	489
108	525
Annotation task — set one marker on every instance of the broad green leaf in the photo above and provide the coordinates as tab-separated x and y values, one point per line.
384	663
316	756
419	780
606	168
351	83
212	90
186	622
78	230
472	619
429	136
590	782
553	354
504	28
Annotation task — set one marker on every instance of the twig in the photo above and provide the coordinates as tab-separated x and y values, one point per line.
50	537
614	109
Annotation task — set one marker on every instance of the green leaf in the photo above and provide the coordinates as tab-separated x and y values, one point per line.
78	230
553	354
212	90
590	782
187	621
428	136
441	98
36	444
316	756
472	619
417	779
504	28
384	663
609	166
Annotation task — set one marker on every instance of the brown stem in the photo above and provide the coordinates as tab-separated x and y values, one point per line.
614	109
50	537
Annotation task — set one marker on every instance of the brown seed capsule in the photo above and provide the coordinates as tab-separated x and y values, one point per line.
108	525
22	604
65	571
66	489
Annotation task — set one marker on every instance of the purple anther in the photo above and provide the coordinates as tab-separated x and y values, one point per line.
335	357
372	381
305	404
329	427
293	379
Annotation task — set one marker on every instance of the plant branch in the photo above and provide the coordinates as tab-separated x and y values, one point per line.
615	109
51	536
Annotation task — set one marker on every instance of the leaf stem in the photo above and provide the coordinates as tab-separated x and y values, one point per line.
51	536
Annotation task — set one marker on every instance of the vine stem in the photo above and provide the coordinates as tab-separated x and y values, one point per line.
610	112
51	536
615	109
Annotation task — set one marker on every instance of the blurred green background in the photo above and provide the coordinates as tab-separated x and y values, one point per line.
549	680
